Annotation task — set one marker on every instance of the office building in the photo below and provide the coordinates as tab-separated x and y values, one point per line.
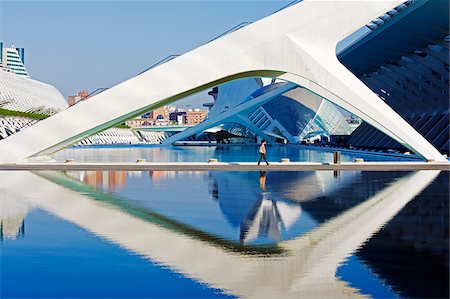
80	96
195	116
12	60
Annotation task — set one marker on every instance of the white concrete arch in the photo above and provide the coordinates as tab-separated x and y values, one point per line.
297	44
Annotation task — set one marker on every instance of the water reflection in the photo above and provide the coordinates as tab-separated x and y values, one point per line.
306	268
225	153
268	208
411	253
267	217
12	216
108	180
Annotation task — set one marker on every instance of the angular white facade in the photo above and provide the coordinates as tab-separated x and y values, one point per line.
24	94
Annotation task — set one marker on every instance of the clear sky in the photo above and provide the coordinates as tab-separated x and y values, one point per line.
84	45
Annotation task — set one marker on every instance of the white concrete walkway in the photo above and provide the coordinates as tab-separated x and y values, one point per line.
232	166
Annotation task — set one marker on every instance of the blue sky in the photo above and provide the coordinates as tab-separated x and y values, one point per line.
76	45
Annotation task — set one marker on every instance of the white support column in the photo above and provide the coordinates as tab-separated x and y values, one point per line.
297	44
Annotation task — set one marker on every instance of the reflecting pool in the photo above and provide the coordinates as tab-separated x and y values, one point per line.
158	234
222	152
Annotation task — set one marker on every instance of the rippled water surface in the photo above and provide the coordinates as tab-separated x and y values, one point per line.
117	234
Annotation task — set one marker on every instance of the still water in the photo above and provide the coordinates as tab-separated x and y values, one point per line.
157	234
222	152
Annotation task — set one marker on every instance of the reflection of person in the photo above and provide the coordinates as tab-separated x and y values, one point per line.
262	152
262	180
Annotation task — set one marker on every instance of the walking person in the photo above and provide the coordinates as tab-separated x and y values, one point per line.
262	152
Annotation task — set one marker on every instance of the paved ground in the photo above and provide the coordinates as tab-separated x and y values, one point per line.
237	166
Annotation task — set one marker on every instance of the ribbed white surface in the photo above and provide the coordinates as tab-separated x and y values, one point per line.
25	94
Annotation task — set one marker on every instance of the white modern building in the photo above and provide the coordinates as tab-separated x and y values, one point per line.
22	94
19	93
12	60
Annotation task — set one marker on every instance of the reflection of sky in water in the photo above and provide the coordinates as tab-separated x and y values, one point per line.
83	261
364	279
224	153
56	259
232	205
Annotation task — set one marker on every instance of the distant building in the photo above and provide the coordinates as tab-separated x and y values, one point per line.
195	116
178	117
80	96
159	116
169	115
12	60
139	122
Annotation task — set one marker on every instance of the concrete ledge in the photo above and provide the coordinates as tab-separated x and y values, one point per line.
232	166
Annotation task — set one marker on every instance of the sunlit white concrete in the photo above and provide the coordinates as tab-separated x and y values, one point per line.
297	44
19	93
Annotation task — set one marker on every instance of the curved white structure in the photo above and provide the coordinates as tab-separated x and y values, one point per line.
297	44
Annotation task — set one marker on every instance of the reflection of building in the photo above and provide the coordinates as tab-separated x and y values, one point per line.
12	215
108	180
269	215
260	216
267	218
159	175
11	228
12	60
111	179
416	238
306	267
